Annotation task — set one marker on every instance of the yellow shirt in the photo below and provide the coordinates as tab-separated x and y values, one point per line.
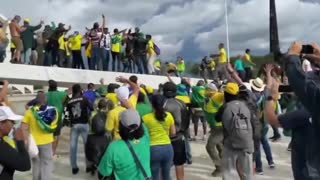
76	42
40	136
223	56
61	43
67	46
113	97
150	47
112	124
116	43
181	66
158	130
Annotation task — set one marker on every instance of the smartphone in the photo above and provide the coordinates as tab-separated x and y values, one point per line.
1	83
285	89
307	49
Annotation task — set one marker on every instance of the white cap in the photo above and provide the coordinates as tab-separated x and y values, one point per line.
7	114
122	93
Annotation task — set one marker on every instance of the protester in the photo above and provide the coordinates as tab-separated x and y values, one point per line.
128	158
91	93
238	136
181	67
125	102
181	120
79	109
306	89
16	30
12	159
41	122
139	51
221	69
98	138
75	41
238	66
27	37
105	44
213	101
116	41
95	35
297	121
56	99
197	102
248	65
151	54
171	68
4	41
161	127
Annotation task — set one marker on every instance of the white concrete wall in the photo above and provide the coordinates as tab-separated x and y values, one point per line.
39	75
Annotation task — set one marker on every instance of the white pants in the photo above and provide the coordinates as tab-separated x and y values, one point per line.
151	58
236	164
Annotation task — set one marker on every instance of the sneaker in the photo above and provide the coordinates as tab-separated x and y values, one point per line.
276	139
272	166
259	172
75	171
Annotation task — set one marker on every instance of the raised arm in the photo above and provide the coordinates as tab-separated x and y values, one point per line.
234	74
303	85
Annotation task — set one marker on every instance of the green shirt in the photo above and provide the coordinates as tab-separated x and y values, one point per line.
27	36
198	95
56	99
119	160
238	64
143	109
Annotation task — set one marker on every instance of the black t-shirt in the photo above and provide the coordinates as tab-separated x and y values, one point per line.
79	109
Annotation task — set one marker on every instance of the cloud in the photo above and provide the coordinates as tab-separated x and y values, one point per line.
183	27
249	26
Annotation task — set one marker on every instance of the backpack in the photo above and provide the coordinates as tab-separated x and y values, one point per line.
156	49
237	126
98	122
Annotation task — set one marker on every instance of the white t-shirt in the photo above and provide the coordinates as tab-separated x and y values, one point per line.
106	41
306	66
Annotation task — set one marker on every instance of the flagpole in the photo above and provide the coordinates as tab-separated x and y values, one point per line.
227	29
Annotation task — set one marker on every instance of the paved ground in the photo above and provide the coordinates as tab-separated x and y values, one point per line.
199	170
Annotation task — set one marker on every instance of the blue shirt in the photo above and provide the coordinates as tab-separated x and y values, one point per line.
238	65
90	95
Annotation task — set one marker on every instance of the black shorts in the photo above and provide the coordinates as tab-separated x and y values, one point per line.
179	151
197	115
57	132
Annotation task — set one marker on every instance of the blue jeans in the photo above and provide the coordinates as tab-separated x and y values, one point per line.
95	58
161	158
267	150
76	131
106	59
26	56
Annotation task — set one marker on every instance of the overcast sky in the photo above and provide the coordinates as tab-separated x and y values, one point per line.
191	28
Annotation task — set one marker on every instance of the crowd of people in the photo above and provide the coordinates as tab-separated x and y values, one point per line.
119	50
132	131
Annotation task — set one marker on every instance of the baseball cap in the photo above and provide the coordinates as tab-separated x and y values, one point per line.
27	20
7	114
122	93
130	117
232	88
